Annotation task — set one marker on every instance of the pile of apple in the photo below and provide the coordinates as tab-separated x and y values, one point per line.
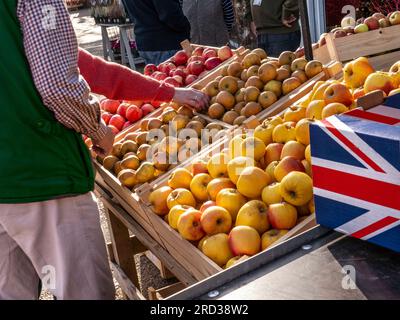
243	199
184	69
121	115
160	143
246	88
350	26
231	206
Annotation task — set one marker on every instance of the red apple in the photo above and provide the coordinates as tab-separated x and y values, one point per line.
212	63
180	58
117	121
178	79
110	105
196	58
122	109
113	129
207	205
166	67
106	116
195	67
190	79
372	23
134	113
198	51
179	72
209	53
150	69
172	82
160	76
147	108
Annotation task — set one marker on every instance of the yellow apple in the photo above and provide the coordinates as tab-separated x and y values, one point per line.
237	165
253	147
175	213
271	169
303	131
356	72
189	225
216	220
216	185
217	165
235	260
379	81
332	109
158	199
254	214
297	188
311	205
235	146
216	247
314	109
244	240
282	216
231	200
271	236
180	196
273	152
294	114
272	194
284	132
307	153
252	181
180	178
264	132
198	186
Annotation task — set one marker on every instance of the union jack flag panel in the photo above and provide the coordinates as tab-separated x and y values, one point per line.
356	173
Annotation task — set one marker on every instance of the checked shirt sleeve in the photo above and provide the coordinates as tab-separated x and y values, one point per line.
51	49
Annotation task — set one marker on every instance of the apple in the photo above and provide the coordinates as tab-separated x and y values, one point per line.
270	237
284	132
314	109
109	105
181	196
150	69
339	34
209	53
300	52
244	240
297	188
271	194
199	166
216	185
253	214
106	116
181	58
190	79
196	58
217	165
196	68
212	63
361	28
293	149
147	108
198	51
158	200
287	165
175	213
338	92
134	113
231	200
372	23
237	165
216	247
395	18
273	152
127	124
379	81
207	205
166	67
384	23
189	225
282	216
357	71
216	220
198	186
179	72
160	75
378	15
252	181
224	53
171	81
117	121
122	109
332	109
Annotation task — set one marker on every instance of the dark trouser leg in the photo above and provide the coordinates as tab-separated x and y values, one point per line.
275	44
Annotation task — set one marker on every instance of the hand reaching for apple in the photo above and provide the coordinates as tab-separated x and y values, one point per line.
192	98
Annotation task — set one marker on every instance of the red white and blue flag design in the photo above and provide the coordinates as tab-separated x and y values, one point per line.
356	173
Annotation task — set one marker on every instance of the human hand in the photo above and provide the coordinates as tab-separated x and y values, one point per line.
253	28
288	22
192	98
104	146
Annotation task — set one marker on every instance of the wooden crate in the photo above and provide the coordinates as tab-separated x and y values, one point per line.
380	46
184	251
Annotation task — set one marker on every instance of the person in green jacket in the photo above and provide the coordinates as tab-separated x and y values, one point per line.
276	24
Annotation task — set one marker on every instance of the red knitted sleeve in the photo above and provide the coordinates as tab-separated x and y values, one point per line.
121	83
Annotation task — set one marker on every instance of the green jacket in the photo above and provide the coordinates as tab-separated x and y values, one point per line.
40	159
268	16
